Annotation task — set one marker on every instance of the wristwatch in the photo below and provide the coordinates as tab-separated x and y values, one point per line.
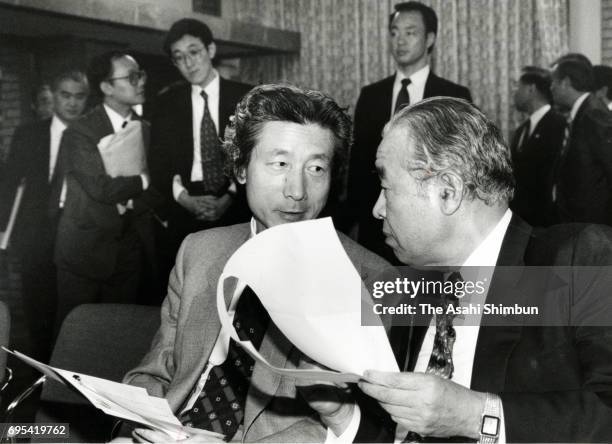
491	422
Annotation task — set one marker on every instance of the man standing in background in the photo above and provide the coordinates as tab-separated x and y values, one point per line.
412	36
535	145
186	126
33	157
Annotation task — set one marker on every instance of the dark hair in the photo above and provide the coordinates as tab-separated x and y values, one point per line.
579	74
538	77
70	74
101	69
285	103
573	56
602	75
430	19
185	27
452	134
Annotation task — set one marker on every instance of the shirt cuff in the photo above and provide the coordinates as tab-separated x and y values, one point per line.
177	187
502	424
145	181
349	433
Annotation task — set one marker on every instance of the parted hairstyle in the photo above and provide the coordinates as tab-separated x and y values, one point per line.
450	134
285	103
187	26
430	19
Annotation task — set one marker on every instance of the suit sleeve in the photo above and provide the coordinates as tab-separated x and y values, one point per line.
84	163
14	172
160	159
602	147
157	368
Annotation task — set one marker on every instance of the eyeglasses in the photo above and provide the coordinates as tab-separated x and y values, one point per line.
192	54
133	77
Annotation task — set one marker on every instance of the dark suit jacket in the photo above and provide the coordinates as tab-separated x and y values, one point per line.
533	166
555	383
584	172
372	112
90	227
172	146
29	159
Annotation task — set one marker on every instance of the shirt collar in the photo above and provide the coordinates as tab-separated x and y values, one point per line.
577	105
537	115
57	124
417	78
211	89
116	118
486	253
253	227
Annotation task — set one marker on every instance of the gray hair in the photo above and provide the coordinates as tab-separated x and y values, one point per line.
450	134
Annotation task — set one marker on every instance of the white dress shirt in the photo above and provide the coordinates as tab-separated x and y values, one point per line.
56	132
416	89
212	91
577	104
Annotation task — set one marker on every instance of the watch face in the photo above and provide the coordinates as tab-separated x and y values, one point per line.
490	425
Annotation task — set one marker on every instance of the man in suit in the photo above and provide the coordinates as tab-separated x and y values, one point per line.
186	125
602	76
412	36
105	232
287	146
444	203
535	145
33	158
582	188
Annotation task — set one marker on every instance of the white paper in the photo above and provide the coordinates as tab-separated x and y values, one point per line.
123	153
313	293
116	399
5	237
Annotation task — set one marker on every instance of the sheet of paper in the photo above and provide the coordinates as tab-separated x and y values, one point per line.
313	293
123	153
116	399
5	238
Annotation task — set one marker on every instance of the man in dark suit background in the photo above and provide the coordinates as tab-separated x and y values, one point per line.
582	188
412	35
105	234
447	179
187	122
534	147
602	76
33	157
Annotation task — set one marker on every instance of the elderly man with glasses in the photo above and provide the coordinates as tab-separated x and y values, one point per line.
187	123
105	235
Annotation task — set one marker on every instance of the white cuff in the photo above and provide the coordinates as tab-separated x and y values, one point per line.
502	425
145	181
349	433
177	187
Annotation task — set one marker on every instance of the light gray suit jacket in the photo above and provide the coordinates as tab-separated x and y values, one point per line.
274	412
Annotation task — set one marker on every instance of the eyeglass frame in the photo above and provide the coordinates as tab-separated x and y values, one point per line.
137	75
197	55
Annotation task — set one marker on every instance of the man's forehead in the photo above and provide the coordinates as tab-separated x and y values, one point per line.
407	19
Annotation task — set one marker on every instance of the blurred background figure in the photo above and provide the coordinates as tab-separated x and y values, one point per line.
603	84
42	102
534	147
34	157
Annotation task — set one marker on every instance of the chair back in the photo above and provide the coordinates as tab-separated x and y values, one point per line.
103	340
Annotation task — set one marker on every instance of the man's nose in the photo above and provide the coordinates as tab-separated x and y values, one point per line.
295	186
379	210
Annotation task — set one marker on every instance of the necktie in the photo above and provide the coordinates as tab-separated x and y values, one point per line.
522	143
220	405
560	158
441	360
403	98
214	180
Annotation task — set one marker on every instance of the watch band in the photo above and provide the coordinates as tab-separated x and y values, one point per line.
491	421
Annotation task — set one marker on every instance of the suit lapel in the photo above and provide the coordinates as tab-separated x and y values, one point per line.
496	343
184	131
226	105
431	86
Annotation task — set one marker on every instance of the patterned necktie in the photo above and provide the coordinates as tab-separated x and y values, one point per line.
403	98
441	360
560	158
214	180
220	405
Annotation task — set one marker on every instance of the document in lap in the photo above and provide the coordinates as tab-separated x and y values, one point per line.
314	295
120	400
123	152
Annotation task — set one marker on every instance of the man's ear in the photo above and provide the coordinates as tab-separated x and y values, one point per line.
106	88
431	40
241	175
451	190
212	50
